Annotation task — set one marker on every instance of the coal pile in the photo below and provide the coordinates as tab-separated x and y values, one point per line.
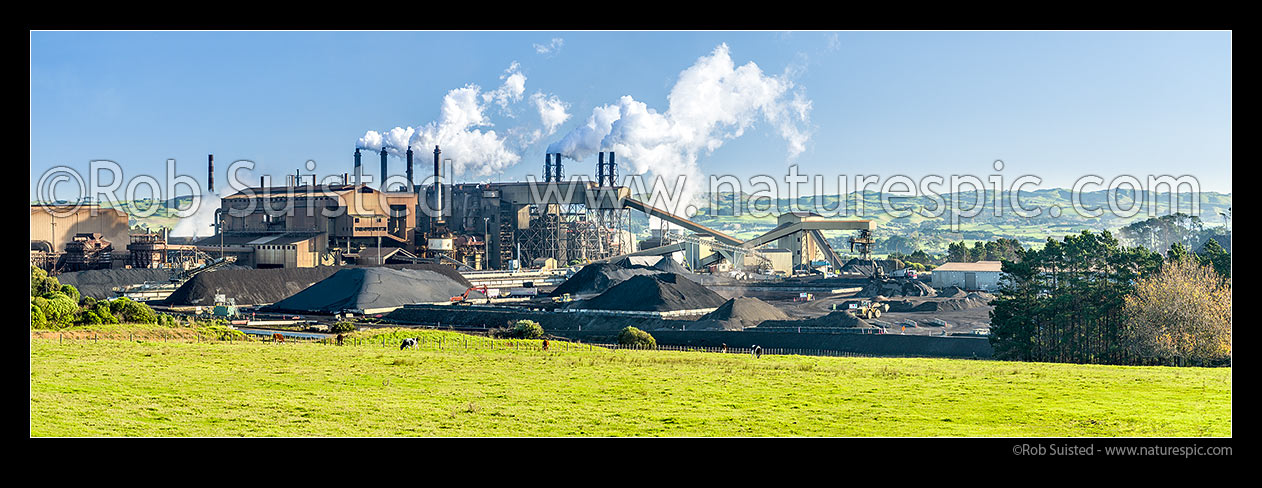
599	277
247	286
867	267
897	287
838	319
952	292
100	283
654	293
970	300
738	314
370	288
442	269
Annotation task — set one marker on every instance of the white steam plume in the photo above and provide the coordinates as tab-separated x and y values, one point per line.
712	102
459	130
201	222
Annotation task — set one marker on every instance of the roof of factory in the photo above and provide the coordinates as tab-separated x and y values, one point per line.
257	238
995	266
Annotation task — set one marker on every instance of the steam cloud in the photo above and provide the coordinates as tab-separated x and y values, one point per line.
712	102
459	130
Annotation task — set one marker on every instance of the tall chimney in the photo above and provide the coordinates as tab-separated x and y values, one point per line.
600	170
556	169
409	170
210	172
438	184
383	167
359	172
612	172
547	167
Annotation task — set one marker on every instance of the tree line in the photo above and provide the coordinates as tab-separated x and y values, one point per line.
1088	299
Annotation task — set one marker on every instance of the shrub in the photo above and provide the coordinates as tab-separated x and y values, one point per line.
59	309
87	303
70	291
130	311
88	318
527	329
631	336
341	327
102	310
38	321
41	283
221	332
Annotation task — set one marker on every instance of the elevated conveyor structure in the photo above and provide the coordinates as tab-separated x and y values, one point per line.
787	229
829	254
680	221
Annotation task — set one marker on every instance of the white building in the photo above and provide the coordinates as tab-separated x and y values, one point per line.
982	275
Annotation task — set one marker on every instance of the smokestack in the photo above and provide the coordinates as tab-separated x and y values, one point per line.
547	167
383	167
556	168
600	170
262	183
612	172
210	172
359	172
438	184
297	178
409	169
344	178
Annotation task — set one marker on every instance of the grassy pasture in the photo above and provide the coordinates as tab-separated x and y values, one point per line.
147	388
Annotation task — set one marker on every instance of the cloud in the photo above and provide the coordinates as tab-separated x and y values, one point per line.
459	130
510	91
552	111
551	48
834	41
712	102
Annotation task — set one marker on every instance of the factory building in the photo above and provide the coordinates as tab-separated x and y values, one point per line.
95	236
981	275
479	225
491	225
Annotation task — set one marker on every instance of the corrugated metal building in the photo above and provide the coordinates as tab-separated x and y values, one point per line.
982	275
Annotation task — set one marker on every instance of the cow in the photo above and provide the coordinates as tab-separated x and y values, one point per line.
409	342
277	337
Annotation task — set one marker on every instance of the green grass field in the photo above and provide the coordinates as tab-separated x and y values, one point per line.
129	388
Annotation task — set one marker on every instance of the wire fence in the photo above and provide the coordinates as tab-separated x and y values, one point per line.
464	342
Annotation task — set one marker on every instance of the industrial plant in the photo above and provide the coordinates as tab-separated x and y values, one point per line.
559	249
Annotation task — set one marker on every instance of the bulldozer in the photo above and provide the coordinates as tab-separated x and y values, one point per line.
866	309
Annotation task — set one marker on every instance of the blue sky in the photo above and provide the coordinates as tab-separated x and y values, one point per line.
1058	105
